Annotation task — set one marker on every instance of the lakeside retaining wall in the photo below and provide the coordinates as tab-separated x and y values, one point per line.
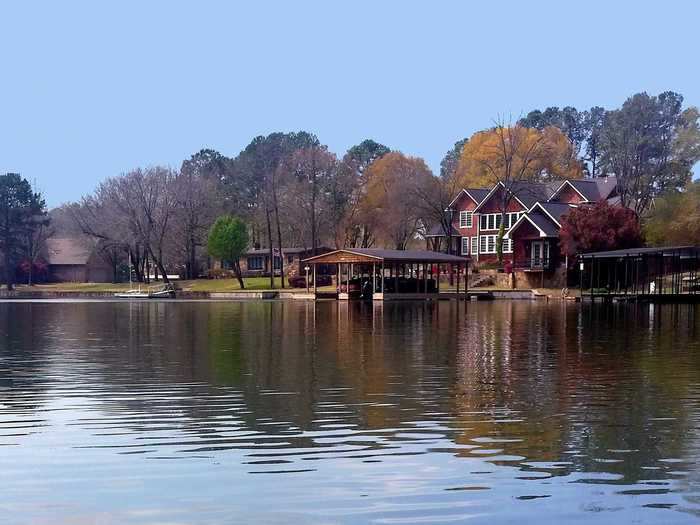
229	296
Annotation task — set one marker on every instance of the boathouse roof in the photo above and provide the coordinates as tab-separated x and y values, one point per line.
384	255
636	252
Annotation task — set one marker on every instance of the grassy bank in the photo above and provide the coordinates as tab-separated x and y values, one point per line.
255	284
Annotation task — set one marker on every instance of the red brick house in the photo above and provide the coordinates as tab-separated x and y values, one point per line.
465	227
534	212
535	236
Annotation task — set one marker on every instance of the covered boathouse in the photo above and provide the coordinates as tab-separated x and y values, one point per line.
379	274
661	274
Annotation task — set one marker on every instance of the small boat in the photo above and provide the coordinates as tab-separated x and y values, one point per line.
136	293
166	290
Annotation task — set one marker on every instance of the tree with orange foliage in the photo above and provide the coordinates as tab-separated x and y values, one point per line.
389	203
512	155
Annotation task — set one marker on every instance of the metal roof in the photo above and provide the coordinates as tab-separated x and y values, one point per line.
659	250
381	254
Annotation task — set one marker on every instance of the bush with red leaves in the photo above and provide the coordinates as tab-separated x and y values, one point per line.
598	228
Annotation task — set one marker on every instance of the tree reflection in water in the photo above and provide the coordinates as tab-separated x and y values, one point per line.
425	402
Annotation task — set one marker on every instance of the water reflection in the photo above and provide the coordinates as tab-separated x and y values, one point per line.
348	412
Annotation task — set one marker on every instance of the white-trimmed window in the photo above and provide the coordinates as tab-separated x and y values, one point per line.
475	245
465	219
490	221
465	245
482	243
487	243
507	245
511	219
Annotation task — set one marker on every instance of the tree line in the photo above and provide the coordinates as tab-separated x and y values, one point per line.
289	189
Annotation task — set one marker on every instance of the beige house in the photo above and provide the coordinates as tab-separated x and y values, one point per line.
76	259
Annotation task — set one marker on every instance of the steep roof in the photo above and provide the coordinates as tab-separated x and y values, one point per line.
478	194
593	190
544	223
69	250
556	210
475	194
527	193
530	192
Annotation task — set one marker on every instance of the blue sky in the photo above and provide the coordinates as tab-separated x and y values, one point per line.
89	90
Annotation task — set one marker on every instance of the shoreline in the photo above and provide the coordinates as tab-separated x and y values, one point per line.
264	295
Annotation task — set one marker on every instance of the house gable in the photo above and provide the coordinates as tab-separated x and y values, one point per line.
492	203
463	201
567	194
525	229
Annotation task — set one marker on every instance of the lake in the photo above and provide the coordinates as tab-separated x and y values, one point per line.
398	413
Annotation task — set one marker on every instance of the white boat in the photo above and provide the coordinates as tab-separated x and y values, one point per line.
166	290
134	294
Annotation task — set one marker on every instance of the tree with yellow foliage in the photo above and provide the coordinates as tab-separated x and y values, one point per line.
516	154
388	205
513	155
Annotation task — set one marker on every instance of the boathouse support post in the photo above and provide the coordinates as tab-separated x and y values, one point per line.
382	281
374	277
459	271
466	280
314	278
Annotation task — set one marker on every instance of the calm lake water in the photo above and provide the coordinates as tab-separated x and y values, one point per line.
290	412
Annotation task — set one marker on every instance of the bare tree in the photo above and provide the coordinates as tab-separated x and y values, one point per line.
196	208
313	169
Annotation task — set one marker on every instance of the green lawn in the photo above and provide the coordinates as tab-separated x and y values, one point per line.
231	285
199	285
